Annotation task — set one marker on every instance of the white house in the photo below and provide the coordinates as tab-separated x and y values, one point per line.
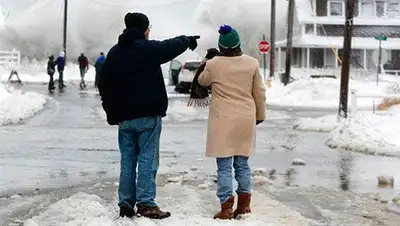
318	41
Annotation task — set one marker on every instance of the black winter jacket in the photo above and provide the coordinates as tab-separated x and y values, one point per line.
132	84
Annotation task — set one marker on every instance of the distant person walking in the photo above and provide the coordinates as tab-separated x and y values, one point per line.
51	69
60	68
83	68
99	68
134	97
237	106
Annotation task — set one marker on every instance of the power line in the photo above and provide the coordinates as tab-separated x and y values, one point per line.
141	7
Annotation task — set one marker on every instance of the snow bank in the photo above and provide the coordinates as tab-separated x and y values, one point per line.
16	106
368	133
321	124
188	207
321	93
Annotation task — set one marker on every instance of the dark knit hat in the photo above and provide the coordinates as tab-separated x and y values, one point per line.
211	53
229	38
138	21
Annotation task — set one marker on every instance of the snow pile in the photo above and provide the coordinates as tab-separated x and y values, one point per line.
322	124
188	206
79	209
16	106
321	93
368	133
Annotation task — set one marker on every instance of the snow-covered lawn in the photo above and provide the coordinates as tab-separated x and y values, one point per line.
365	132
322	93
368	133
16	105
188	206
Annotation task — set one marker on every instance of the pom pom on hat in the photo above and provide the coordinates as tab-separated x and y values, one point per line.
229	38
225	29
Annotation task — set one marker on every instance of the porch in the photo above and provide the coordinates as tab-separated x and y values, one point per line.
326	52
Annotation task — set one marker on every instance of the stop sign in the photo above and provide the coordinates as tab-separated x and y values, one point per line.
264	47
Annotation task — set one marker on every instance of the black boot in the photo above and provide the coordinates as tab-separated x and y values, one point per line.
125	211
152	212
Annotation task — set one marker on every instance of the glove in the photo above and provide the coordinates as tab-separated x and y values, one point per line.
259	121
193	42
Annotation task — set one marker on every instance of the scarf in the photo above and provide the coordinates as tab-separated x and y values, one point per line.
199	96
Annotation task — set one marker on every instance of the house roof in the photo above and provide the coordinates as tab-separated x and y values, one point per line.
305	15
309	41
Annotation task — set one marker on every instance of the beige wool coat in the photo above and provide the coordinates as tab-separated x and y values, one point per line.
238	100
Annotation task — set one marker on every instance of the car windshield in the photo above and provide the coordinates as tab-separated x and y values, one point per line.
192	65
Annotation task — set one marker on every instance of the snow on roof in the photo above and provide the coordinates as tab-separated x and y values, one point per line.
304	11
309	41
2	20
305	15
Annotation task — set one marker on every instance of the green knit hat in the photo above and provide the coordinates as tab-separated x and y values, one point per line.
229	38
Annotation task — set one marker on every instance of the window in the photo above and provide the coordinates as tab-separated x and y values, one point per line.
380	8
335	8
367	8
393	9
309	29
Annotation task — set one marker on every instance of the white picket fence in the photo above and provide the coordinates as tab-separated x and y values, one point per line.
10	59
354	100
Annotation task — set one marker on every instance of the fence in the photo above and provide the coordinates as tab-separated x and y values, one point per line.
10	59
354	100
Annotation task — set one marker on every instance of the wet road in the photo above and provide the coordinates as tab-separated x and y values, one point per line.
69	143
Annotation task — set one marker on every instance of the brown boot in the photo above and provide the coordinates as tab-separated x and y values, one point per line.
226	210
243	205
152	212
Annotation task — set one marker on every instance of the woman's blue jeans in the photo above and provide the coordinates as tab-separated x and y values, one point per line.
225	179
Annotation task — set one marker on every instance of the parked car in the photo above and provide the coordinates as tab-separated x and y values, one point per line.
174	70
182	75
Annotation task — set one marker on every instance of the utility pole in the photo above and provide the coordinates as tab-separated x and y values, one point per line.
65	27
344	81
272	54
289	41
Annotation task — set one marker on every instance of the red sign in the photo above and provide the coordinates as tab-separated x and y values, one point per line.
264	47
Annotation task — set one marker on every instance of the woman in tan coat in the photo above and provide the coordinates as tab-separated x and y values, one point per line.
237	105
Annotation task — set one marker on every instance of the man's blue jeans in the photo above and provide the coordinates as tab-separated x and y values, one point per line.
225	180
139	144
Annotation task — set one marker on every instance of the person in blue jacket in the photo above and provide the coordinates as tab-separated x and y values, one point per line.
99	68
60	68
134	97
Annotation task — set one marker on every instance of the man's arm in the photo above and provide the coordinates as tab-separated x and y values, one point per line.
169	49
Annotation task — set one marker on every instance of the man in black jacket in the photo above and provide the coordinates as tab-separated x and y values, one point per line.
134	97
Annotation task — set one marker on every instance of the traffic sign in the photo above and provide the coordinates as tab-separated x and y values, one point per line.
375	56
381	38
264	47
